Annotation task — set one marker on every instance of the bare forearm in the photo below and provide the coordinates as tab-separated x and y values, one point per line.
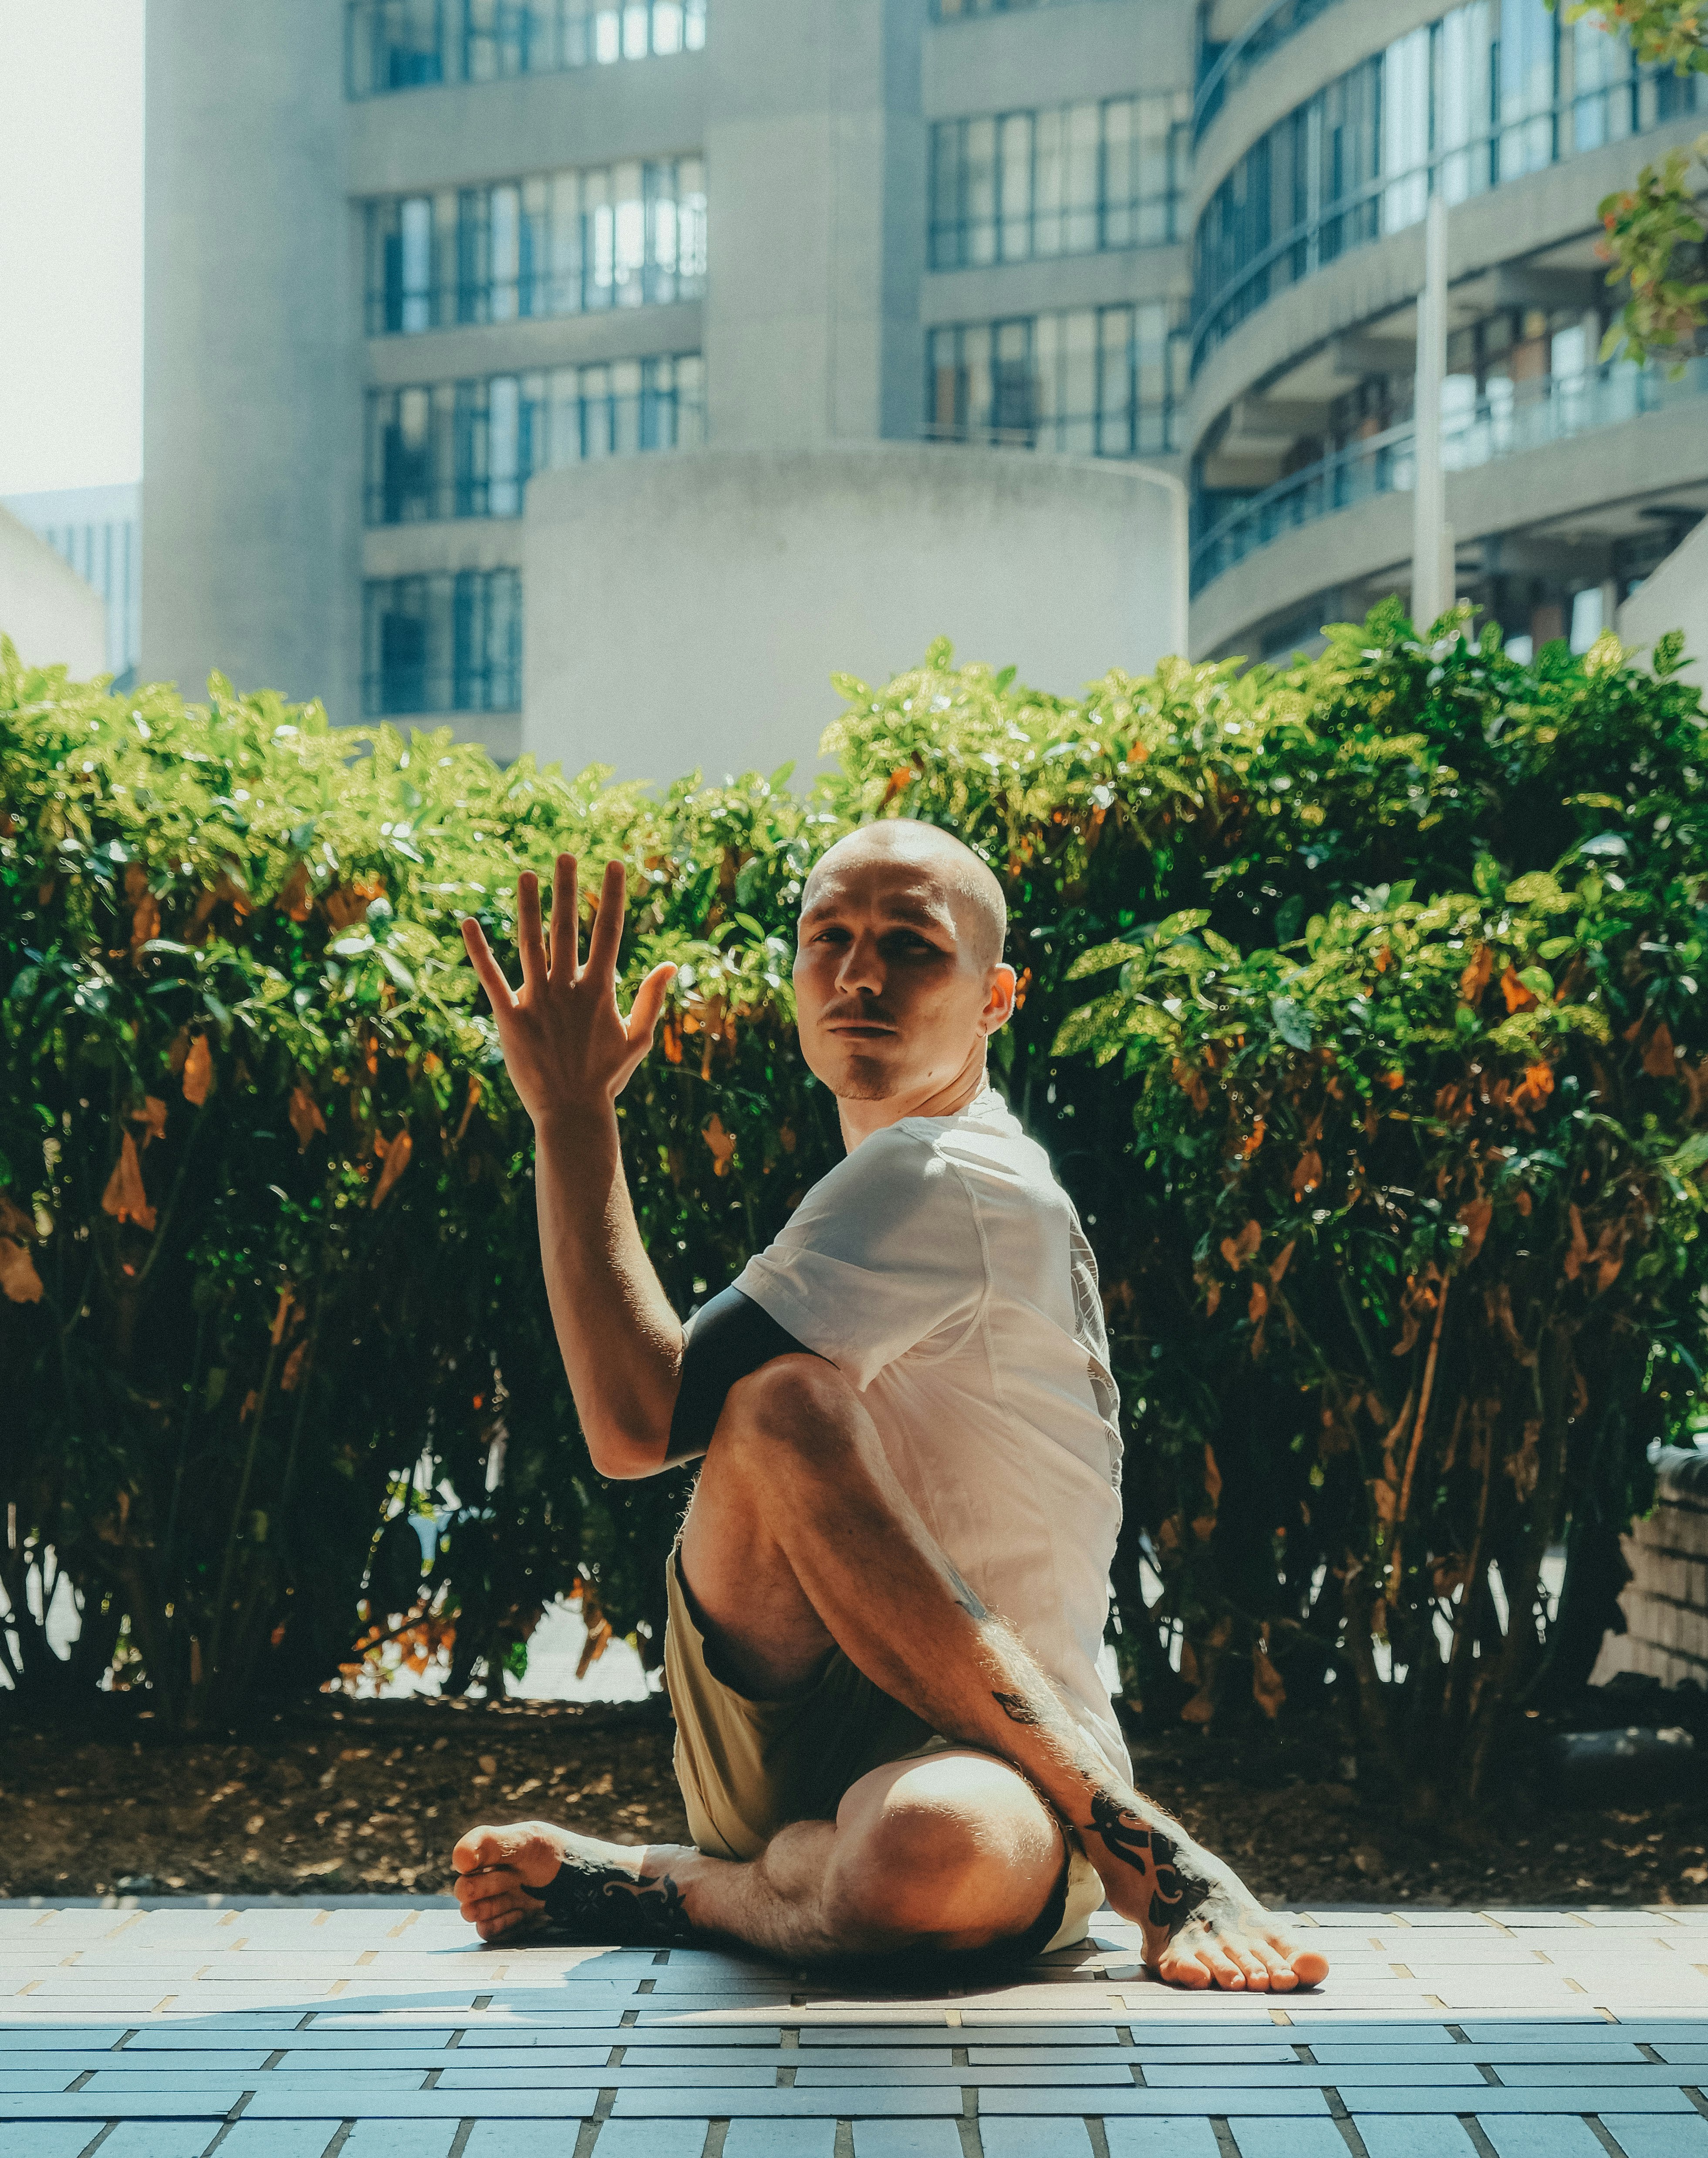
621	1340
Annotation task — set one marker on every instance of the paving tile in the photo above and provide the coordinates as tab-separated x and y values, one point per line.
511	2139
906	2139
1182	2137
1541	2135
292	2139
1396	2135
66	2138
1039	2074
746	2138
1658	2135
813	2037
672	2139
141	2105
354	2101
1112	2105
1002	2138
1213	2077
159	2139
379	2138
1564	2097
1287	2139
718	2103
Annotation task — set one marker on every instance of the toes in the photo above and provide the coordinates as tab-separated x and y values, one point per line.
1300	1966
1310	1966
1177	1966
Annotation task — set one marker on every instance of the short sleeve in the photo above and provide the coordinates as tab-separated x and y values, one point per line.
880	1258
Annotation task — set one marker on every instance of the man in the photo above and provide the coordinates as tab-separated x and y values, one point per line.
887	1603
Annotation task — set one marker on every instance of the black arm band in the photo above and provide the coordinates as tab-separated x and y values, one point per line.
730	1337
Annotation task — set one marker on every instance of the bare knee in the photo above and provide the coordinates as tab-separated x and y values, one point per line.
792	1405
932	1871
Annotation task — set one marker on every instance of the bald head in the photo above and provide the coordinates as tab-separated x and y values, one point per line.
981	912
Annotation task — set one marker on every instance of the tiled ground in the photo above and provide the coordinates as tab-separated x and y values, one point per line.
364	2030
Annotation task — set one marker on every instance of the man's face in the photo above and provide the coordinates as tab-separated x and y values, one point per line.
894	996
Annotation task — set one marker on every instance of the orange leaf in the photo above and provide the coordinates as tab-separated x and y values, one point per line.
152	1116
1257	1308
721	1143
1278	1264
1476	1214
294	897
1518	997
1253	1138
1212	1475
1475	978
124	1198
1267	1688
1578	1250
306	1119
1659	1060
199	1072
394	1159
1308	1174
293	1369
18	1277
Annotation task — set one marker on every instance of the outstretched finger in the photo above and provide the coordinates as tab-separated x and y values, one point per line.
645	1012
530	938
566	927
603	945
489	972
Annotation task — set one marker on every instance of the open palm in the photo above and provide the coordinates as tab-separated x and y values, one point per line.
566	1043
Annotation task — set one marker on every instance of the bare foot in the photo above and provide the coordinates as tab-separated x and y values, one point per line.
533	1877
1201	1925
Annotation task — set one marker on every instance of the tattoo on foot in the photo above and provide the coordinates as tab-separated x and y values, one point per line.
1017	1708
611	1903
1174	1898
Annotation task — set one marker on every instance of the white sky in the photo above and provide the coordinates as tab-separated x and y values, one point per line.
71	243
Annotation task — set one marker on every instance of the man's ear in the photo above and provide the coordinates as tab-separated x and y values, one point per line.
999	999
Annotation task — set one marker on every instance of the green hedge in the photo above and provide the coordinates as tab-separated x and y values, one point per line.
1392	1096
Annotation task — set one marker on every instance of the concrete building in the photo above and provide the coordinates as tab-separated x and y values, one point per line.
520	363
97	530
50	614
454	306
1321	128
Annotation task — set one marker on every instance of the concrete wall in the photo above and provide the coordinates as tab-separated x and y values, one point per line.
689	611
1676	597
1666	1604
815	185
252	405
46	609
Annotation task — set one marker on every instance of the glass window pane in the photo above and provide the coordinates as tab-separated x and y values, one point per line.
1014	154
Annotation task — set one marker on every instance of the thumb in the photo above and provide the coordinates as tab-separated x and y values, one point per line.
647	1007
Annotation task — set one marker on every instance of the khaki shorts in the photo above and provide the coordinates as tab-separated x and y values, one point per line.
749	1768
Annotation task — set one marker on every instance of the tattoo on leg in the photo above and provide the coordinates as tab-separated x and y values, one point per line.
1173	1899
1017	1708
609	1903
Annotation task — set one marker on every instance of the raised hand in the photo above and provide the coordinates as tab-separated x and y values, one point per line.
566	1044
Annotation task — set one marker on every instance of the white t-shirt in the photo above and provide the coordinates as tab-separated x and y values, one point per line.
943	1271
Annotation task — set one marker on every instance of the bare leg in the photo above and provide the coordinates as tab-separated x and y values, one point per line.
952	1852
800	1535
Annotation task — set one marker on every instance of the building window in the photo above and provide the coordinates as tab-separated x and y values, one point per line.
627	235
1494	90
467	449
961	11
1103	382
450	643
1069	179
407	44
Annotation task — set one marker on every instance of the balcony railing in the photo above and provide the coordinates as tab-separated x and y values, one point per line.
1227	67
1514	416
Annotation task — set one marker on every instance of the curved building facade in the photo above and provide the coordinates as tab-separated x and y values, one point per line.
1322	128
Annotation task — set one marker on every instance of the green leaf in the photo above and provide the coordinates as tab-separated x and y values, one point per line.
1292	1022
1101	957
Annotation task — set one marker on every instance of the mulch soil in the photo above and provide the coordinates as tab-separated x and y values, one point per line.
365	1797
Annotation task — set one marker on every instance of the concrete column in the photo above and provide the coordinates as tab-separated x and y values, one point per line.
251	353
816	180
